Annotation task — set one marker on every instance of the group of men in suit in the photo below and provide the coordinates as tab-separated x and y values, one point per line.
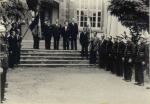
14	45
120	57
69	32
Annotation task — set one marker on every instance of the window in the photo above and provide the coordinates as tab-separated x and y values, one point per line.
91	9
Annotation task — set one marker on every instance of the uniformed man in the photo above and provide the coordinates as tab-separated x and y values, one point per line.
120	56
114	55
109	53
102	52
84	41
12	49
94	48
56	34
129	55
141	60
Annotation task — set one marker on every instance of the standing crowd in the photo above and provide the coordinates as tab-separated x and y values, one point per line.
121	56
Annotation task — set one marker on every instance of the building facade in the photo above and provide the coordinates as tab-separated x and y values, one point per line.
81	10
49	11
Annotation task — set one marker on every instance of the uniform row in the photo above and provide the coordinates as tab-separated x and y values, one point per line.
119	57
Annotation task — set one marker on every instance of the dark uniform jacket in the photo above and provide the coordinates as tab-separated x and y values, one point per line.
114	49
73	29
56	30
84	38
121	49
142	53
102	46
129	50
65	33
12	41
109	47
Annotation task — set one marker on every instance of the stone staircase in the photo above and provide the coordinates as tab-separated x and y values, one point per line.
51	58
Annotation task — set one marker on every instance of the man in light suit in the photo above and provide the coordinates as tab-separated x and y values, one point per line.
94	48
73	30
102	52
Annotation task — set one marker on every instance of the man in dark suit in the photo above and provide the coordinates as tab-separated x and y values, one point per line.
109	53
84	41
56	34
73	28
102	52
47	34
66	35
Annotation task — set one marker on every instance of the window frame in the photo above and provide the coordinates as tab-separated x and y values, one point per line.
88	3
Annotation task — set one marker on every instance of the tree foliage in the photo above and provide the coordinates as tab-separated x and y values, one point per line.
132	13
13	9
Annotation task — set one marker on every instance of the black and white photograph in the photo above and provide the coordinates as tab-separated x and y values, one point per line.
74	52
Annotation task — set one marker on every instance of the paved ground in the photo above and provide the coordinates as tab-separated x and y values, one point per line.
71	86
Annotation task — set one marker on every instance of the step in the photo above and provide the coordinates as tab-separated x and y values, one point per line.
51	58
25	43
57	65
44	50
43	47
54	61
41	41
51	54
